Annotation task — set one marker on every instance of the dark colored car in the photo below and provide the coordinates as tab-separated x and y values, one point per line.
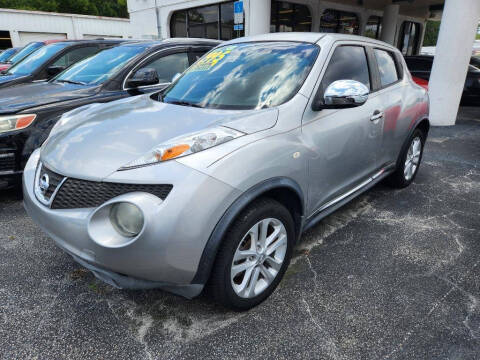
7	54
49	60
420	67
24	52
29	111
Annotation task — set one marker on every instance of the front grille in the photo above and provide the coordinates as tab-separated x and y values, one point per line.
75	193
7	162
54	180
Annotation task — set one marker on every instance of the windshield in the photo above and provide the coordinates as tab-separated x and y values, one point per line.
6	54
101	67
36	59
27	50
245	76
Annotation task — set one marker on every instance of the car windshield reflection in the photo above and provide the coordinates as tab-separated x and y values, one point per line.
100	67
245	76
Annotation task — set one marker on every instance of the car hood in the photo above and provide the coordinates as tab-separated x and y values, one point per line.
10	77
26	96
94	141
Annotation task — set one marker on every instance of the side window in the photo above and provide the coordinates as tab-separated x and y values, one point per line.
167	66
75	55
347	63
197	54
386	67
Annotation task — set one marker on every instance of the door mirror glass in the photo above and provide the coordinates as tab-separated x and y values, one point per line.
143	77
175	77
54	70
345	94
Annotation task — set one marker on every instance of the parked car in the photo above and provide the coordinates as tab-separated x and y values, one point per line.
49	60
214	179
423	83
7	54
420	67
129	69
24	52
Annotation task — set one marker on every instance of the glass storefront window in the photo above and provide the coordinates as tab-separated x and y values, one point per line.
374	27
335	21
286	17
211	22
226	21
409	37
203	22
178	24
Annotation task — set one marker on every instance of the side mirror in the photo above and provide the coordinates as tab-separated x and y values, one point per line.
343	94
143	77
54	70
175	77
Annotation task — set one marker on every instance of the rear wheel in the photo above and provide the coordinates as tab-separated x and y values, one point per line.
409	161
254	255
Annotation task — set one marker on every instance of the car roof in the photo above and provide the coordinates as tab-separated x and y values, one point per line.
171	42
89	41
46	42
308	37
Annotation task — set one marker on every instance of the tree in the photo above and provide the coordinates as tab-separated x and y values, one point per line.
431	33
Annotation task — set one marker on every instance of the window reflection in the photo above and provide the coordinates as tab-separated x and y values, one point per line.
286	17
335	21
245	76
374	27
211	22
409	37
203	22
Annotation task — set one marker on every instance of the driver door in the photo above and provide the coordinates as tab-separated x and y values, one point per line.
343	142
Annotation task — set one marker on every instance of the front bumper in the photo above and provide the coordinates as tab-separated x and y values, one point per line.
166	254
12	156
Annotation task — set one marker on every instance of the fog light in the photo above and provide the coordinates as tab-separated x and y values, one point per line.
126	218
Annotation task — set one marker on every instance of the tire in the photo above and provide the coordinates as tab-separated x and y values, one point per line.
236	252
399	178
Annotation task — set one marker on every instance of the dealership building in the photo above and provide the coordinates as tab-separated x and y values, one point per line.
19	27
398	22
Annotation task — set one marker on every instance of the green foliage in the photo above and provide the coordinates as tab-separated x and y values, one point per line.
111	8
431	33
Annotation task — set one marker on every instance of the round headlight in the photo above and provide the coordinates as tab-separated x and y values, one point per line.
126	218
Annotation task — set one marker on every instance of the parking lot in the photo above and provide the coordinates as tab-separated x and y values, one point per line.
393	275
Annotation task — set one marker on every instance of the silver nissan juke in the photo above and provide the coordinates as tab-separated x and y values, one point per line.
212	182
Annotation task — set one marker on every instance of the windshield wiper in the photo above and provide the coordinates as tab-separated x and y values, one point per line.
71	82
183	103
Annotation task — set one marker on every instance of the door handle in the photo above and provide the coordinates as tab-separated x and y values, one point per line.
377	115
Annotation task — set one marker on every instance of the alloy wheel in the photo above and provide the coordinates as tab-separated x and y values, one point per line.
258	258
413	158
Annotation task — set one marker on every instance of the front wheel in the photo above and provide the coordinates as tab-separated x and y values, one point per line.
254	255
409	161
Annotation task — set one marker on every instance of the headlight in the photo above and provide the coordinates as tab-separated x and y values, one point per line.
126	218
15	122
185	145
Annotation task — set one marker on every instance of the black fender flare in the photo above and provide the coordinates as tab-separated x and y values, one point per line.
410	132
213	244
